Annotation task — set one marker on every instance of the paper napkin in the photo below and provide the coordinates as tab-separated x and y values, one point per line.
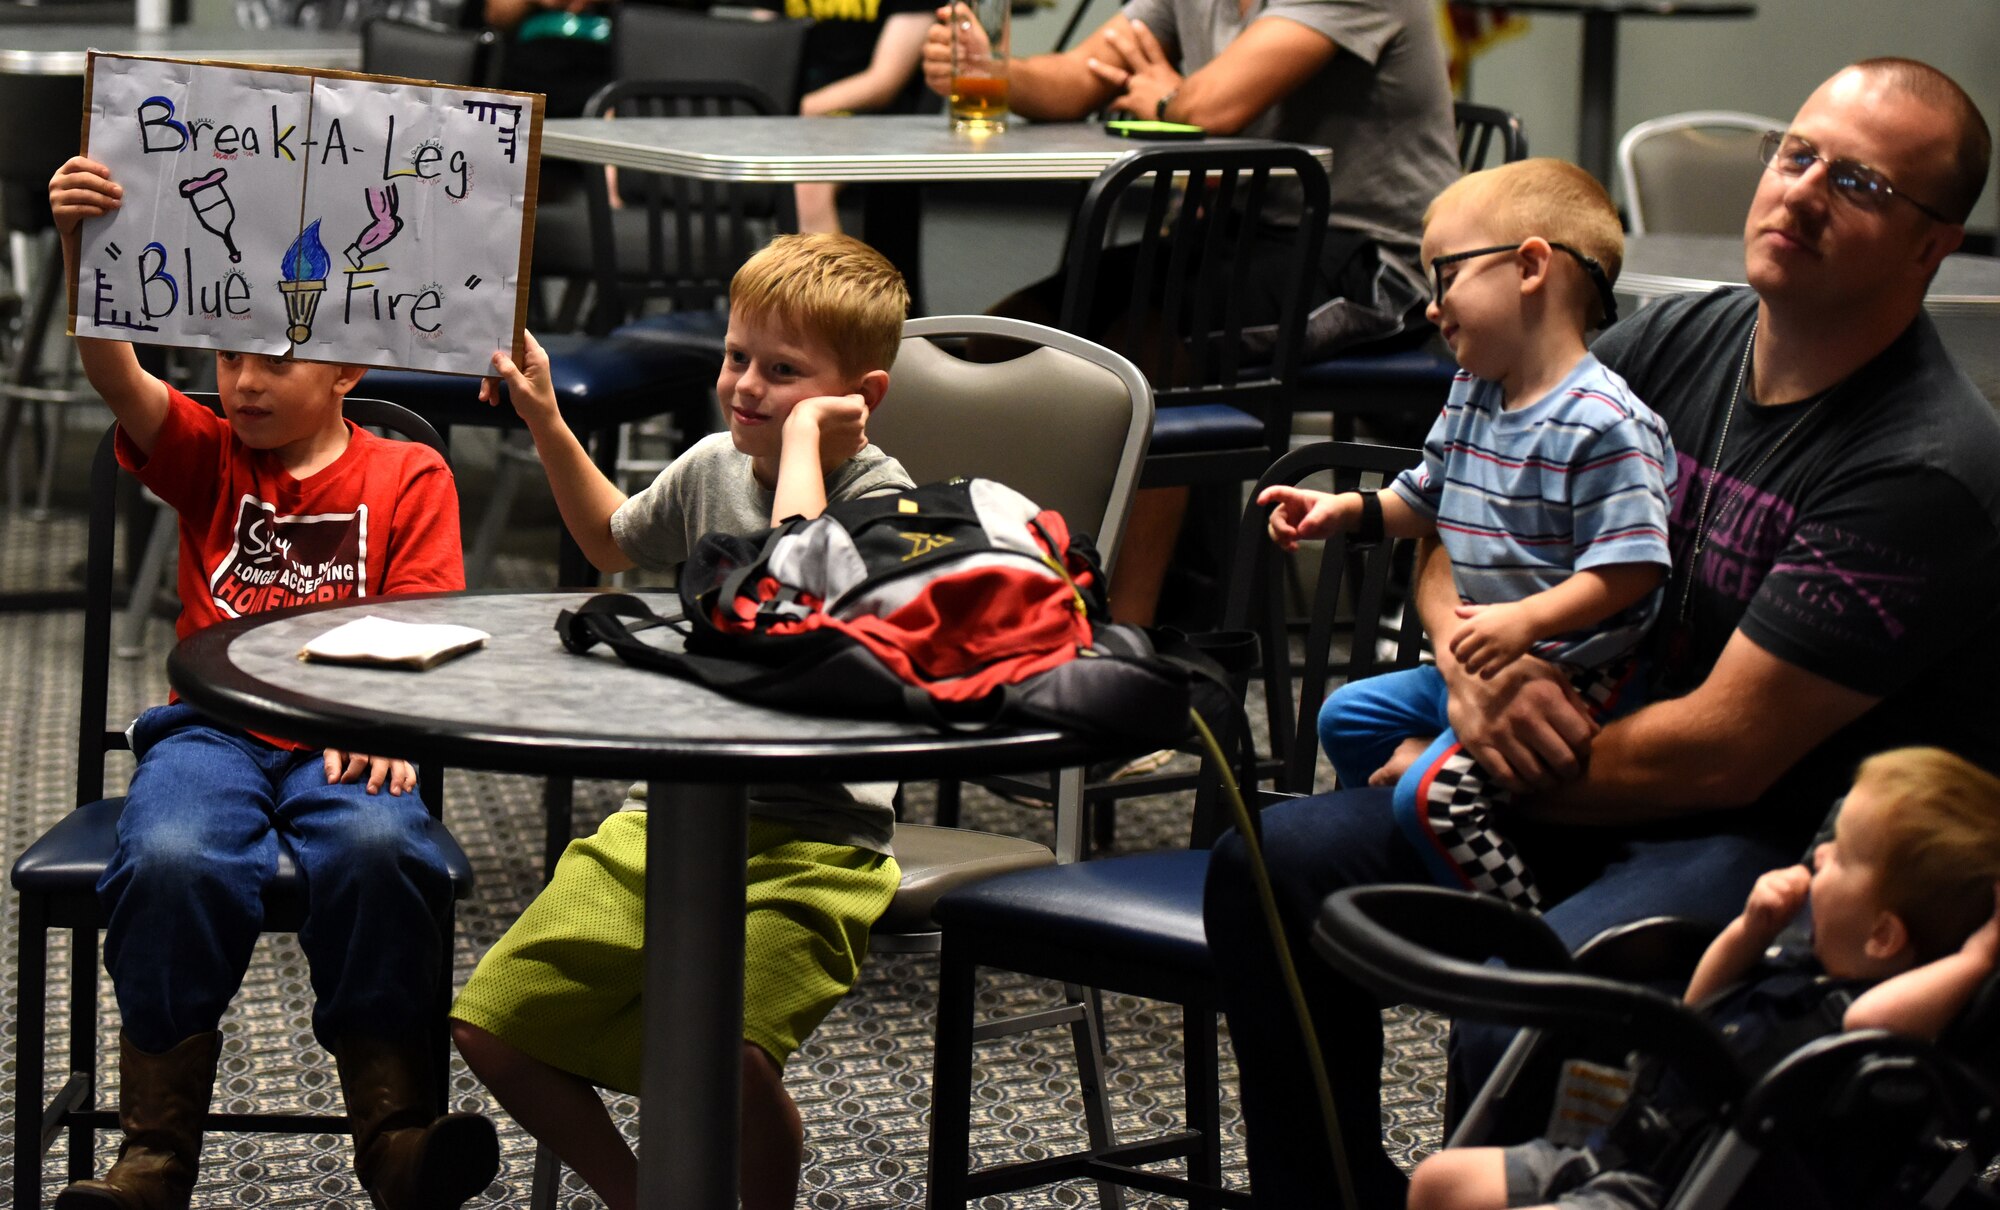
380	641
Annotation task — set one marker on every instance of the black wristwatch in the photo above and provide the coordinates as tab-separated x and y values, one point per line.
1160	106
1369	528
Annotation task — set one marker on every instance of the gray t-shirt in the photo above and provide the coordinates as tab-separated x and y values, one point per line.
1383	102
711	488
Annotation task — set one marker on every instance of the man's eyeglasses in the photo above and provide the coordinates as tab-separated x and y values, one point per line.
1790	155
1440	283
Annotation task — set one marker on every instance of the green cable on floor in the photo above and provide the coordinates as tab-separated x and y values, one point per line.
1267	899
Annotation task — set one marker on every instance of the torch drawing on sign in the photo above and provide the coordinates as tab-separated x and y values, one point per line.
306	265
382	228
213	207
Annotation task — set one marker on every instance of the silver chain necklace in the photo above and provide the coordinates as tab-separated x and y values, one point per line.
1743	484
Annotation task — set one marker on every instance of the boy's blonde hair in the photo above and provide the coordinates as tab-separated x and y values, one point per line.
1940	822
832	288
1547	197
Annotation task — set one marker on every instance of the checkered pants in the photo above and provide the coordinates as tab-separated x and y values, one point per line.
1458	804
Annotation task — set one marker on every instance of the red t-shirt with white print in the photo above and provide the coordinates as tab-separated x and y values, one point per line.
381	519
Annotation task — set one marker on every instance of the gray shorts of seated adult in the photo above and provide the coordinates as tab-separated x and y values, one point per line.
1541	1172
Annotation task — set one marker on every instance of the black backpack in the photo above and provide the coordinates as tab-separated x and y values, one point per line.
959	603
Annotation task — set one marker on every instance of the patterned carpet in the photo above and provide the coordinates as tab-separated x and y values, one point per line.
862	1081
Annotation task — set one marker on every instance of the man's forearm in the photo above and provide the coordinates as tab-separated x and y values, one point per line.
1055	88
1659	762
1436	598
1722	745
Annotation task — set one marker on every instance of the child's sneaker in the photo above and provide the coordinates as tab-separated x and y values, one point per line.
1097	774
1138	766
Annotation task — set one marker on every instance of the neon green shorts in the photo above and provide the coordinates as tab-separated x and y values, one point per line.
563	984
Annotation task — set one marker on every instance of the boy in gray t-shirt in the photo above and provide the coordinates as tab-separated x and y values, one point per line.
814	324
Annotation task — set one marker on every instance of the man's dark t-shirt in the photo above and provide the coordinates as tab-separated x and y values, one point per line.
1855	535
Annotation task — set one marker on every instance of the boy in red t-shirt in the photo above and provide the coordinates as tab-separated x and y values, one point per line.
281	502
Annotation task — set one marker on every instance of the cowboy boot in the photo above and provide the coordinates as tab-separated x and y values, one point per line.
162	1101
408	1157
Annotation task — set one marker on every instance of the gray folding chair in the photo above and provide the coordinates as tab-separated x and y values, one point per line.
1066	424
1691	173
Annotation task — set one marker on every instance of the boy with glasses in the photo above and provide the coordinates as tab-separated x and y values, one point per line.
1545	478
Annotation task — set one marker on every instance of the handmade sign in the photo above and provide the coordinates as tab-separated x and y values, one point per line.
328	215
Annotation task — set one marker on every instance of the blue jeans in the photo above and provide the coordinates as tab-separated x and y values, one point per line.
1594	879
197	846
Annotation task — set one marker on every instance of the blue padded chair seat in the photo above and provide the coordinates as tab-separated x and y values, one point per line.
692	330
1078	921
1203	427
1417	367
68	858
600	382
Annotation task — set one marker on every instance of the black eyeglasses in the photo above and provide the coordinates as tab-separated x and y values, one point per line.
1598	277
1790	155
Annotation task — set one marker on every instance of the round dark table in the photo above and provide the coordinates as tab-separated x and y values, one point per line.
1597	90
523	704
1964	299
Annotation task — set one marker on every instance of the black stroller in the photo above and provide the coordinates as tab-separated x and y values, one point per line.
1865	1119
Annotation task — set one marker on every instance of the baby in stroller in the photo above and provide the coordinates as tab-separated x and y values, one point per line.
1904	932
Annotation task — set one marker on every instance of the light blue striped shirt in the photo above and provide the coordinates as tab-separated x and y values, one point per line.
1582	477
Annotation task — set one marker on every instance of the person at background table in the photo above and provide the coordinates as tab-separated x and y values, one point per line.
861	56
282	502
1904	932
1364	77
554	1008
1835	592
1546	480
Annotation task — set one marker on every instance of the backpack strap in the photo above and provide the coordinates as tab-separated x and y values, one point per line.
614	619
602	619
925	708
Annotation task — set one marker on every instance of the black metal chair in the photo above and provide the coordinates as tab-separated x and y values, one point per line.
1202	249
57	876
34	376
417	51
1224	415
655	42
1487	135
1133	924
671	239
1409	383
1865	1118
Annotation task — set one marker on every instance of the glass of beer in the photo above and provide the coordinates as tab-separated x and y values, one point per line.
979	38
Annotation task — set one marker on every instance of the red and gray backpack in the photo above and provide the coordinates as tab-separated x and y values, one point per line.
959	603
